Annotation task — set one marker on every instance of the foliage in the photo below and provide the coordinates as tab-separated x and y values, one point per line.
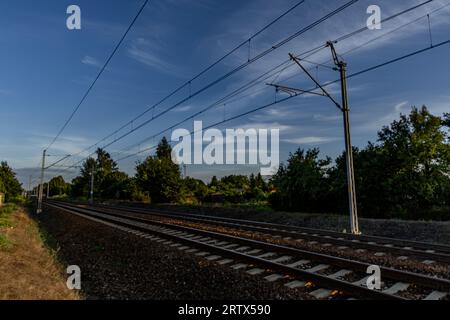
164	150
194	190
5	215
117	185
159	176
58	186
301	184
405	174
9	184
238	188
109	182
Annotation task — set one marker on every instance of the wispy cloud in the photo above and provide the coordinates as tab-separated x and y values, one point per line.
90	61
285	113
312	140
326	118
266	125
400	106
145	52
367	123
255	14
183	108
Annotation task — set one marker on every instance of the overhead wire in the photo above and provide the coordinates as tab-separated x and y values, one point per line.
302	93
350	76
116	48
189	82
235	70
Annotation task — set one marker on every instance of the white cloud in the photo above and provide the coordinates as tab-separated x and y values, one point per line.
400	106
146	52
252	16
90	61
372	123
265	125
321	117
312	140
183	108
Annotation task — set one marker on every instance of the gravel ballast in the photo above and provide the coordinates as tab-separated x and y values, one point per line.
119	265
388	260
426	231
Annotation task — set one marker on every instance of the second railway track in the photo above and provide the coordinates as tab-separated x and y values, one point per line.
426	252
327	275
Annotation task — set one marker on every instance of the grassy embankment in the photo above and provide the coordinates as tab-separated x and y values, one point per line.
28	269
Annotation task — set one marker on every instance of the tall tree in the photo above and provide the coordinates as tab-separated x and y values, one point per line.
8	182
405	174
159	176
109	182
164	150
301	184
81	184
58	186
416	156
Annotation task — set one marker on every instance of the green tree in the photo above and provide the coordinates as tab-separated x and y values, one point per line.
58	186
164	150
257	188
109	182
105	169
301	184
195	188
117	185
416	158
214	184
159	176
81	184
9	184
78	187
406	174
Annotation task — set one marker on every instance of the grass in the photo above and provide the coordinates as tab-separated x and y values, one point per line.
28	269
5	223
5	243
7	209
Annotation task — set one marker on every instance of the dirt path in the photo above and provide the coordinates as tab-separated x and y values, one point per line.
28	271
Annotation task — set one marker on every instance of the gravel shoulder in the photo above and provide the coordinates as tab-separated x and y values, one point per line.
119	265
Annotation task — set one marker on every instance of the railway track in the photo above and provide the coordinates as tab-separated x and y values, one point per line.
325	276
426	253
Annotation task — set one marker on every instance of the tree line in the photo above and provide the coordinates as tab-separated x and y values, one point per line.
405	174
158	180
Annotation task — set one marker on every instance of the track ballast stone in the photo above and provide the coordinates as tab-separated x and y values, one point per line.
119	265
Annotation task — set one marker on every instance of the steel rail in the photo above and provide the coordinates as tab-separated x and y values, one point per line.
396	246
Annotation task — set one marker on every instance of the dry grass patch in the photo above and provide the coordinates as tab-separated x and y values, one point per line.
28	270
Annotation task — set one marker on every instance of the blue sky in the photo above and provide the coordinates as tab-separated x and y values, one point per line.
46	68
